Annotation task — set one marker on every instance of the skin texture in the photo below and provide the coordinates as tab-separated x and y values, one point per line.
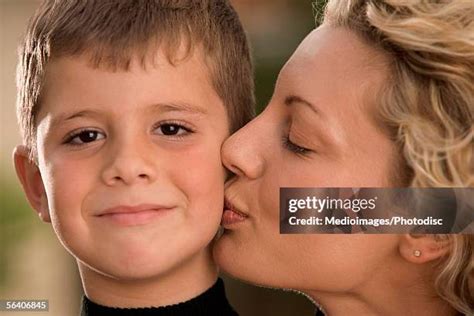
322	103
130	159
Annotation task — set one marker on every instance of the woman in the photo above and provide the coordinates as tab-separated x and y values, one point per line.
380	95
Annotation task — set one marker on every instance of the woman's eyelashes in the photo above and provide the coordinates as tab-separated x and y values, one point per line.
295	148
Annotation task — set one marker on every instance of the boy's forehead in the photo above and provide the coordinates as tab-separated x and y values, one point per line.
185	86
187	63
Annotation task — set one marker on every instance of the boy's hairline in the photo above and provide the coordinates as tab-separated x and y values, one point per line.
103	57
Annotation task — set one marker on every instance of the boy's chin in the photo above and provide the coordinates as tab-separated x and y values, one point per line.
131	270
122	265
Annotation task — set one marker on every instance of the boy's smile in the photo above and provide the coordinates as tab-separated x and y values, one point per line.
134	215
130	163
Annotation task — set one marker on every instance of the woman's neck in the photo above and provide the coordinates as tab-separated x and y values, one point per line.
181	284
383	300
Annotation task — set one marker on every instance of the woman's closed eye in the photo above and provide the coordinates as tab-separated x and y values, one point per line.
83	137
293	147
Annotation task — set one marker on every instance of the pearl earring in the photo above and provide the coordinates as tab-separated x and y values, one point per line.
417	253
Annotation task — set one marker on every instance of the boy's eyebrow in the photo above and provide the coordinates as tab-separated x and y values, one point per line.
179	107
160	107
56	121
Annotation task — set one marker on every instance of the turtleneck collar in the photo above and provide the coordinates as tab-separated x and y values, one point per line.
211	302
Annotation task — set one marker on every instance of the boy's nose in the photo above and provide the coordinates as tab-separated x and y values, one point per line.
128	166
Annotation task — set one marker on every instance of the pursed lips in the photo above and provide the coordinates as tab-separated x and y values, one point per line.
229	206
232	215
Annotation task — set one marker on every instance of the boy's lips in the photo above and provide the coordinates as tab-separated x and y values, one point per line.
133	215
232	215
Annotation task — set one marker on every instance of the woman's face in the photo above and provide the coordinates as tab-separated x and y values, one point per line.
317	131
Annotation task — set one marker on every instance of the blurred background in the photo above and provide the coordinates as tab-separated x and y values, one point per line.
33	265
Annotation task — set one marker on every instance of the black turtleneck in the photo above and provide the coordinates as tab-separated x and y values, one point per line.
213	302
319	312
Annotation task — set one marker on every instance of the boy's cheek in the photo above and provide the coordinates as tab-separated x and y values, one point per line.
64	180
202	178
202	161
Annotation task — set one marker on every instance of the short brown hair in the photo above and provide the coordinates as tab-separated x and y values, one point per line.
111	32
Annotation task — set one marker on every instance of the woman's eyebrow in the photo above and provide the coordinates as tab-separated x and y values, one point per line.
294	99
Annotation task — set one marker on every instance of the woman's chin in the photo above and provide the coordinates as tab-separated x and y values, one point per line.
222	250
229	256
235	258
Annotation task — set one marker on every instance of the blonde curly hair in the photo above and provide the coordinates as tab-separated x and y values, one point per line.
427	105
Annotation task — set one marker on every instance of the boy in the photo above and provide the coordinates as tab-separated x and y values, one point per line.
123	107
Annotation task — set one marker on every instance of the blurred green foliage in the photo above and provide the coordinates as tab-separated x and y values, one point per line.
267	69
15	221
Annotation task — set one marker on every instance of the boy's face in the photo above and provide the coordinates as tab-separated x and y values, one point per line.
130	163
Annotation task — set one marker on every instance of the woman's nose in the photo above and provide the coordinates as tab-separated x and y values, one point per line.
242	152
129	163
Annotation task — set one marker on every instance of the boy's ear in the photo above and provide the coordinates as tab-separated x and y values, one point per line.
31	181
423	248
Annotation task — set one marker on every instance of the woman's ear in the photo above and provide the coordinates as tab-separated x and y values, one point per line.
423	248
31	181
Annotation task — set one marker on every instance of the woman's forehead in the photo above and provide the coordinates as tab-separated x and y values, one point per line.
338	51
333	65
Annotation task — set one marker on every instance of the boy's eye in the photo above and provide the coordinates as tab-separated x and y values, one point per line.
84	137
172	129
